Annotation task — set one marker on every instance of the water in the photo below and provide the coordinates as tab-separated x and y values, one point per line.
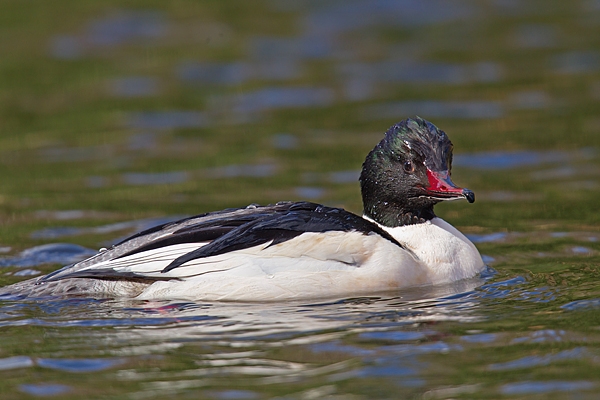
116	118
426	342
134	86
479	109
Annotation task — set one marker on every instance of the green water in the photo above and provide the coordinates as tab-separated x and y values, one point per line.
130	112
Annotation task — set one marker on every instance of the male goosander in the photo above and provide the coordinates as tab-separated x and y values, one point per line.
297	250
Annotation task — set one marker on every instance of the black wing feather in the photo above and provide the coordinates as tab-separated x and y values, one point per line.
210	227
207	234
280	227
111	274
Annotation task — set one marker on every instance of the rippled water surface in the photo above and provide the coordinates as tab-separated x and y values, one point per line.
118	116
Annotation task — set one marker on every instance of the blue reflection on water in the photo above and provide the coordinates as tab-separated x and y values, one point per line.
214	73
27	272
536	36
278	97
503	288
294	48
541	336
436	109
278	63
338	347
534	387
391	370
66	47
137	225
159	178
96	181
395	336
79	365
530	100
284	141
234	394
76	154
421	72
576	62
15	362
588	304
59	307
44	389
340	17
310	193
55	253
508	159
344	176
577	353
241	170
143	141
361	80
167	120
134	86
491	237
110	31
581	250
125	26
480	338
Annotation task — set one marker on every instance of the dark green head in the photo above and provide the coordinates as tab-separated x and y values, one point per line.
407	173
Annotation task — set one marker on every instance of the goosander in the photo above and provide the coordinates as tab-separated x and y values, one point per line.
297	250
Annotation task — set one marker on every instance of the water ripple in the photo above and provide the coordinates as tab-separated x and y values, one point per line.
79	365
44	389
578	353
55	253
16	362
437	109
588	304
538	387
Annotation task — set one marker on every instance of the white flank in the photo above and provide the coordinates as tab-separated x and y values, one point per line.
309	266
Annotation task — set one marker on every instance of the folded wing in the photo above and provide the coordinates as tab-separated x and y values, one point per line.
205	242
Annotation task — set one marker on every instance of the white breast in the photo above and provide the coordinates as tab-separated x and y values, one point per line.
448	255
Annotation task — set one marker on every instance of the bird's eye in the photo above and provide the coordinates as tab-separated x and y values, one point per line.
409	168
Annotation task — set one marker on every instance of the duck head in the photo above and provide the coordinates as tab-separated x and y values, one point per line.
407	173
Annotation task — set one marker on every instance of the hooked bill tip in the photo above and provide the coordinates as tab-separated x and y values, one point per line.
469	195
